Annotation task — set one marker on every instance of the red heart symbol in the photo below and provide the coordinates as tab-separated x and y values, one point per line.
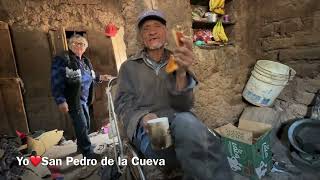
35	160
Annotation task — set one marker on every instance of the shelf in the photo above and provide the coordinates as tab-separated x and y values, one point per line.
203	2
206	24
216	46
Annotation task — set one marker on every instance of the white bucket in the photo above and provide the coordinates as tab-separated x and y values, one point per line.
267	80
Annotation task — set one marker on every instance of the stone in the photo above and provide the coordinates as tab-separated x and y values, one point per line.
306	53
265	115
1	153
305	69
261	114
280	43
303	97
267	30
307	39
291	25
296	111
311	85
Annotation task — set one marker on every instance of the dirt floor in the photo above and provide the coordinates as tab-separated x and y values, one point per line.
69	149
102	142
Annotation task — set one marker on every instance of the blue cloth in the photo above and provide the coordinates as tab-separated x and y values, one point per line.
86	80
58	76
81	123
143	139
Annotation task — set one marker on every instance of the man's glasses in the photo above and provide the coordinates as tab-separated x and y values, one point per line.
78	44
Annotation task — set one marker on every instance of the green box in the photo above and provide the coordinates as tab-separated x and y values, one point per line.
252	159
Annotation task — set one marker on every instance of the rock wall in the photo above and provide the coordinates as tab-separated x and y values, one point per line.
286	31
36	14
290	34
223	72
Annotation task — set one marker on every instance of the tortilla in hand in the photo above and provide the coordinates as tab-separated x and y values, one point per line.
172	65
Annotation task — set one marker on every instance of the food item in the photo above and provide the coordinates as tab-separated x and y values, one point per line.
219	10
202	35
172	65
215	33
217	6
218	33
213	4
177	37
222	34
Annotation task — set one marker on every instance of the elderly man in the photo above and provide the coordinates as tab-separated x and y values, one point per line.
72	80
146	92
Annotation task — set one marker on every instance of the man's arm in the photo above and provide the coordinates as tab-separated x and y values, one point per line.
182	81
125	101
182	99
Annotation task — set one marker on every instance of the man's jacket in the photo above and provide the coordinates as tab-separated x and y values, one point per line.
142	90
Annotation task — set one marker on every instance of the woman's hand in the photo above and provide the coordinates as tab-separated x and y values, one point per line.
106	77
63	107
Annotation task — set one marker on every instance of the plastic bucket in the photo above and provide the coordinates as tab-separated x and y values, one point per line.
267	80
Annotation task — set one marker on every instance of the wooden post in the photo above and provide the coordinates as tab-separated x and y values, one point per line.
119	48
58	41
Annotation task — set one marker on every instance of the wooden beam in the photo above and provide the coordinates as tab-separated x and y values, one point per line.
8	64
154	4
57	41
101	53
4	25
119	48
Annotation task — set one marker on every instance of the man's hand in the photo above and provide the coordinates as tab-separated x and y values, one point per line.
184	56
63	107
146	118
106	77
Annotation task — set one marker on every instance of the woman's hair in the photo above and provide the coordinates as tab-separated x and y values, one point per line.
78	38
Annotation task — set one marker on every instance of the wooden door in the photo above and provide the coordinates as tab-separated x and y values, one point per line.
12	112
34	57
102	57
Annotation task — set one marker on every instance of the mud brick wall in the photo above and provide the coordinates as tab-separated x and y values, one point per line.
290	34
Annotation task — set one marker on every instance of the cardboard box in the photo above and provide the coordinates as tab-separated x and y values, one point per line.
248	148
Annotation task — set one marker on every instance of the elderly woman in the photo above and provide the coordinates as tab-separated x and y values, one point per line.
72	80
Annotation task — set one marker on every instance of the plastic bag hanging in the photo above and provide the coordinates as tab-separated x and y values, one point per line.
110	30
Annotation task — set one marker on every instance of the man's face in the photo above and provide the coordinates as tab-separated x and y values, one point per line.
153	34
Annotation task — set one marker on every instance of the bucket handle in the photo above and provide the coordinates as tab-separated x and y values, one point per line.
292	73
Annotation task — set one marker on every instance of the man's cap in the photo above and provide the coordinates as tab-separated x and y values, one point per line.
151	15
